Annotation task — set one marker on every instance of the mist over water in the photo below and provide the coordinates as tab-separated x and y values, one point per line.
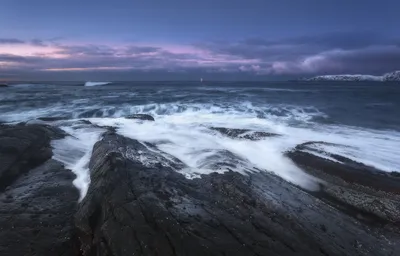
359	120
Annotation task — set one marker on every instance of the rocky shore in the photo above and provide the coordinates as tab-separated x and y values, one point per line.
136	208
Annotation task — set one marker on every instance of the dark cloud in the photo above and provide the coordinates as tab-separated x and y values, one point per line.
371	60
39	42
35	42
345	52
21	59
11	41
301	56
141	49
87	50
298	47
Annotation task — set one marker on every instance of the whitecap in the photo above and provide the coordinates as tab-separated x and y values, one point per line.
96	83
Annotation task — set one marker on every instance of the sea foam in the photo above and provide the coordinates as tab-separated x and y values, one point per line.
96	83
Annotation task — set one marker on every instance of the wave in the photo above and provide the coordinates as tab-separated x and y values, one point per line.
75	151
184	111
96	83
178	125
28	85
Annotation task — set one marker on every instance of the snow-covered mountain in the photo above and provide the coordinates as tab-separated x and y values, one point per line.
388	77
393	76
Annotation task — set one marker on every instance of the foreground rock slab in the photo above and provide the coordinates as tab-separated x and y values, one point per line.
37	199
23	147
136	209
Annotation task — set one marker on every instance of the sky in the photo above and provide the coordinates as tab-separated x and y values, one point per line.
192	39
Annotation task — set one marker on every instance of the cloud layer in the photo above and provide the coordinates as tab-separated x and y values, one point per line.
300	56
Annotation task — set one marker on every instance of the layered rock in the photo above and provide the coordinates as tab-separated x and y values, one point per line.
37	198
139	207
363	191
139	204
23	148
144	117
243	133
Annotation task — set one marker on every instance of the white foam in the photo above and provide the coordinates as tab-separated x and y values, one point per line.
185	136
96	83
75	151
183	133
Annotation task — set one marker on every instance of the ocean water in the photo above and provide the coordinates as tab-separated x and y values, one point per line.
362	120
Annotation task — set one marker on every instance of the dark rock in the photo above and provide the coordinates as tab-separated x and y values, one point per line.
226	160
344	168
23	148
3	85
52	118
85	122
37	198
37	218
243	133
136	208
395	174
141	117
362	191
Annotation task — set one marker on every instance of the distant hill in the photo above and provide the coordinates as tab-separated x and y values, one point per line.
388	77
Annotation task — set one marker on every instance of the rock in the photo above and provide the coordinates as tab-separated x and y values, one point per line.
3	85
85	122
52	118
224	160
141	117
395	174
37	219
243	133
364	192
147	208
37	199
344	168
23	147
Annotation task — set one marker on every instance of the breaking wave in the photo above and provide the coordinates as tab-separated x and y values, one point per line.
183	128
96	83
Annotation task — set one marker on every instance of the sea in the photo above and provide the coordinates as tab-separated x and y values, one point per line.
360	121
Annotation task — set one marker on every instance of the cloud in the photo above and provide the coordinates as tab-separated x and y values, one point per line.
11	41
87	50
141	49
373	59
39	42
298	56
348	52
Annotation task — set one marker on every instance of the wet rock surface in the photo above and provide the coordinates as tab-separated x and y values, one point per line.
362	191
37	198
143	117
52	118
133	209
243	133
23	147
139	204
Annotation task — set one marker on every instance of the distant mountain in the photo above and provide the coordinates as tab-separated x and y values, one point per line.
388	77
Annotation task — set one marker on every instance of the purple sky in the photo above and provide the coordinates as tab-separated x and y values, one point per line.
177	39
